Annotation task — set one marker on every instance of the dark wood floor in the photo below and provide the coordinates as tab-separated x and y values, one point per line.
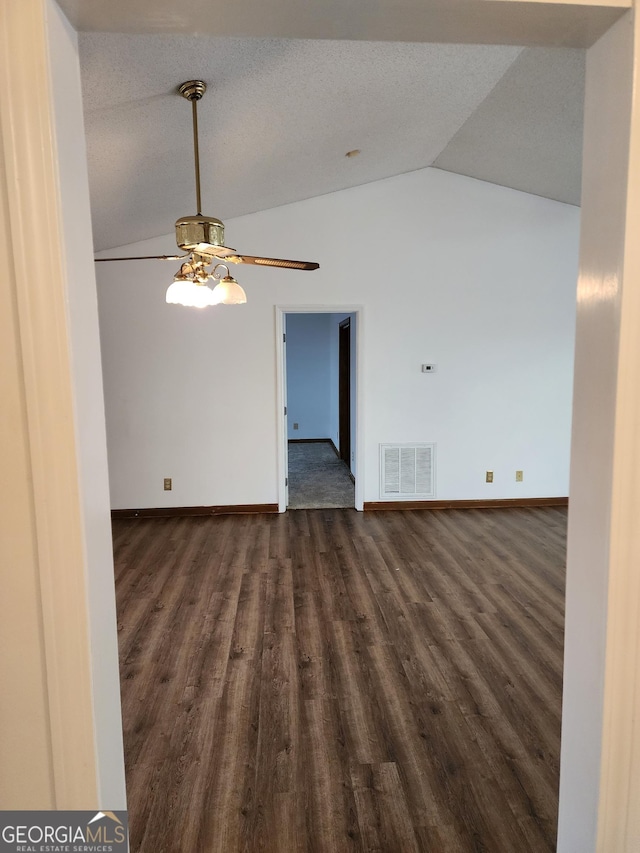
328	680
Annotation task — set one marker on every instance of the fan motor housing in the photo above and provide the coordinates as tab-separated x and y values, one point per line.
193	231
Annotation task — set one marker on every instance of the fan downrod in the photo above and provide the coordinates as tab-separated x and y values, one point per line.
193	90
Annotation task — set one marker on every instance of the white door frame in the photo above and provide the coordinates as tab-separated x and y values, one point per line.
280	312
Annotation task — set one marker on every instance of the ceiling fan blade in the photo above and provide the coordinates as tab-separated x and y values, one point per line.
272	262
145	258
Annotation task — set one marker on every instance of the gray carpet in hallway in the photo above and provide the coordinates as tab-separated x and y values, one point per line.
317	478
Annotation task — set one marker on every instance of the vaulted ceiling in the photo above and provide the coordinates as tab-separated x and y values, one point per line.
280	115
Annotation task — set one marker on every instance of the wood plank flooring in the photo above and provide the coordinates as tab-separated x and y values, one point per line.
329	681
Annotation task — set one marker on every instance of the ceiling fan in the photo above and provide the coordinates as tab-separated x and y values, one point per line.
202	238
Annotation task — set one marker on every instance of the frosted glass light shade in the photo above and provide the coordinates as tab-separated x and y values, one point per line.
190	293
228	292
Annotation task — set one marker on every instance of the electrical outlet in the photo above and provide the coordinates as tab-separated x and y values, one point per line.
489	478
519	476
295	426
353	456
167	484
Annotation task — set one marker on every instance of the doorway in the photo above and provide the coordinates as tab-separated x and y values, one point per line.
318	389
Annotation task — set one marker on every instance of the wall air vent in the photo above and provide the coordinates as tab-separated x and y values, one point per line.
407	471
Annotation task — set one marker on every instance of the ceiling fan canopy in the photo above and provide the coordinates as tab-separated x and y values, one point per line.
202	237
196	233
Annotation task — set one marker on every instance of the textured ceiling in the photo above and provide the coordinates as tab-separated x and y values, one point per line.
280	115
527	134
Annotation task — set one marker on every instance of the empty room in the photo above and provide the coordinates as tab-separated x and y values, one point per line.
341	678
327	415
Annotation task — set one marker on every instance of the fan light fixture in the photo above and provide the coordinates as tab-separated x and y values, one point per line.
189	293
190	287
227	291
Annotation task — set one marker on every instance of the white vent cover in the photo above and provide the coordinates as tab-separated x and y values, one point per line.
407	471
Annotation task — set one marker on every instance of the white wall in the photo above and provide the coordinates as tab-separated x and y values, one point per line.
477	278
89	404
309	389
